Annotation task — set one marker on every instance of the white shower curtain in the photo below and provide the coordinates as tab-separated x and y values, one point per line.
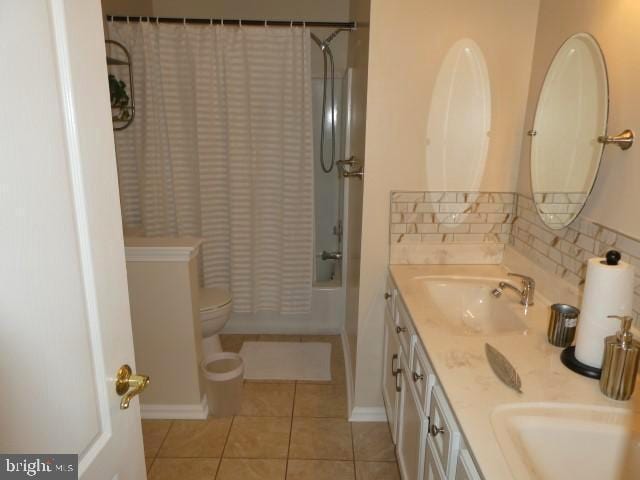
221	147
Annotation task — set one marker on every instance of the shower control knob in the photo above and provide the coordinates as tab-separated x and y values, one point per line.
350	161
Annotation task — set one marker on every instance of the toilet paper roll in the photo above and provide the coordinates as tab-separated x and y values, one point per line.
608	290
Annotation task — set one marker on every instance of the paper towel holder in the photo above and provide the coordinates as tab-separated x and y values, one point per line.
612	257
569	360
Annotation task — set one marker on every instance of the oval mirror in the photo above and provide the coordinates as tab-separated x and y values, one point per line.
459	120
572	113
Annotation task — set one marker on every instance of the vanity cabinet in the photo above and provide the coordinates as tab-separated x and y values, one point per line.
429	444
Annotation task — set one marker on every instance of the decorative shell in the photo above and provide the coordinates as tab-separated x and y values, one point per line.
503	368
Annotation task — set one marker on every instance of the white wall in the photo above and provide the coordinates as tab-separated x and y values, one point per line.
407	44
358	62
615	25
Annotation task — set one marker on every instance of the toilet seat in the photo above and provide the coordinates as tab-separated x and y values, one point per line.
213	299
215	311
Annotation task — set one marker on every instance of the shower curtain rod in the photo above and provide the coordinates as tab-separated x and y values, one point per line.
236	21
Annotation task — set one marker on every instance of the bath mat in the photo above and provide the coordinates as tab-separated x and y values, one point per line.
286	360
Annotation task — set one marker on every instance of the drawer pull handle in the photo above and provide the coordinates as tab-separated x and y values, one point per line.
401	329
394	372
435	430
417	377
398	383
387	295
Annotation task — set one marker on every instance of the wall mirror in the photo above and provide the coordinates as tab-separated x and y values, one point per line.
572	113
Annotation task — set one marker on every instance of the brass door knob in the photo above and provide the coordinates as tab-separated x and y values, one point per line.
129	385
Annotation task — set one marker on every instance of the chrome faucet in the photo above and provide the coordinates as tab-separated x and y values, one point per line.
526	294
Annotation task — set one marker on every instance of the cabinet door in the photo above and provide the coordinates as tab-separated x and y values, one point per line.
432	470
411	429
444	436
465	468
389	368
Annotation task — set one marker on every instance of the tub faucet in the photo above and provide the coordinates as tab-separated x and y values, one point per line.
331	255
526	294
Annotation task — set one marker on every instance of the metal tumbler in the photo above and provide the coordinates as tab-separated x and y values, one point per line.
562	325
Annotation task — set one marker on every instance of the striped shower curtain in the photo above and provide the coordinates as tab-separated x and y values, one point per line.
221	148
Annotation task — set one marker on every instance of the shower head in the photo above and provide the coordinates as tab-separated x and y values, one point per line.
330	38
324	44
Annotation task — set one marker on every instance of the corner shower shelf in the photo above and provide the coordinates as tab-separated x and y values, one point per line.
121	115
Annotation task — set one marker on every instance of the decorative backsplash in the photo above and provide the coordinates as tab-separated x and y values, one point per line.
559	208
451	217
434	227
566	251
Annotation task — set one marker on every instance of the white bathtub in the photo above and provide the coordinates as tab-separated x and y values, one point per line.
326	317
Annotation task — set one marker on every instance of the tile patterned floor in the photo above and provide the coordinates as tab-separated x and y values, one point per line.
284	431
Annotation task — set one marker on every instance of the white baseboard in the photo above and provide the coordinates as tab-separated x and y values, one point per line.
346	350
176	412
368	414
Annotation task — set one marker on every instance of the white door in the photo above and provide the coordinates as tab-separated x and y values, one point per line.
65	327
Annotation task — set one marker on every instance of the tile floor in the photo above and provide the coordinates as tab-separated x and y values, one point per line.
284	431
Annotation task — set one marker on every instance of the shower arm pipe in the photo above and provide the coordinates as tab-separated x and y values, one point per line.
235	21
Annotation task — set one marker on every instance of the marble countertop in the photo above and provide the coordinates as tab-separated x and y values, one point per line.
470	385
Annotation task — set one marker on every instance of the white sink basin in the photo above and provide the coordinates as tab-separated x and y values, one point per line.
466	306
550	441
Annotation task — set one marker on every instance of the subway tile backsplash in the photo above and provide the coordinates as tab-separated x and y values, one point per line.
451	217
565	252
420	221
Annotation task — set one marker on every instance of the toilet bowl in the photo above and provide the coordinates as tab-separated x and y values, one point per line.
215	310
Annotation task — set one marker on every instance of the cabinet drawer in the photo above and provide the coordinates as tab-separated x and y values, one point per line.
444	435
404	329
422	376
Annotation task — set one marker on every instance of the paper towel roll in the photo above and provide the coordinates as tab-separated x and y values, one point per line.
608	291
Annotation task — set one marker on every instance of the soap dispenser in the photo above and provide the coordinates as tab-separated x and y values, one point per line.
620	363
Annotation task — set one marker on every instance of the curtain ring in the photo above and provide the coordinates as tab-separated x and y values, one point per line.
222	22
184	21
127	18
211	21
157	20
304	24
240	22
290	23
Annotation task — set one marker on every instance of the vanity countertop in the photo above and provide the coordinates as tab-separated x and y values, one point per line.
470	385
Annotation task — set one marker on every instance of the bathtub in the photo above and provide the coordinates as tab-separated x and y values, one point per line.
326	317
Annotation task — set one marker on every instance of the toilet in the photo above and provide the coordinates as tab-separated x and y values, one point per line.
215	310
